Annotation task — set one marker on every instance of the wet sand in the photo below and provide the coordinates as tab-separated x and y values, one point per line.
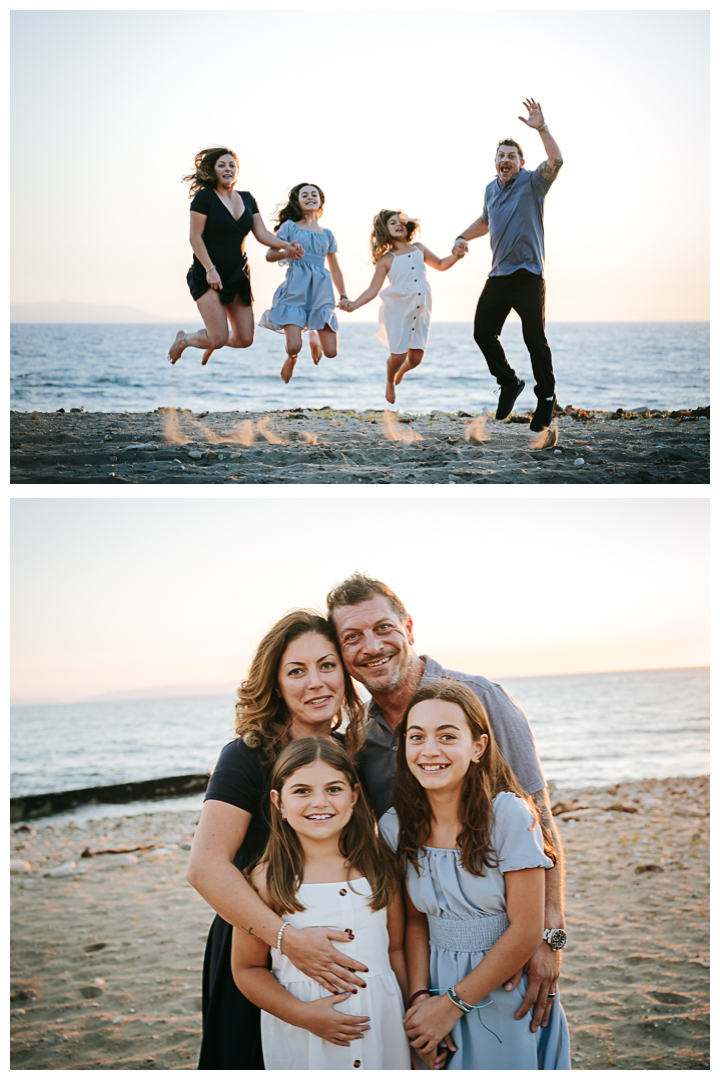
107	956
325	446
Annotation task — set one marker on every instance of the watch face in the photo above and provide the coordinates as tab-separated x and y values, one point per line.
558	939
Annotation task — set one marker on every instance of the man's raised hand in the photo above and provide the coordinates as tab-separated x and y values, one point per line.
535	116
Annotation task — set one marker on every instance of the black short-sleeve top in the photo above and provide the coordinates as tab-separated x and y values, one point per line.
241	779
224	238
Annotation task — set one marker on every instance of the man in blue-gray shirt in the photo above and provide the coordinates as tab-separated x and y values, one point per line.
513	215
376	639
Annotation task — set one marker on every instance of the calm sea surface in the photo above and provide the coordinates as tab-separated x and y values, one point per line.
589	729
114	367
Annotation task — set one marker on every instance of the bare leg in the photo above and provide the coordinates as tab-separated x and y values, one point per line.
242	326
414	357
395	362
315	347
293	345
328	339
215	334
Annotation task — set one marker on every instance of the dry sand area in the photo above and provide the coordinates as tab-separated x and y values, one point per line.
107	954
325	446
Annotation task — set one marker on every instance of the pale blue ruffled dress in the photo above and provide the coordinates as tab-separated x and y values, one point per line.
306	296
466	916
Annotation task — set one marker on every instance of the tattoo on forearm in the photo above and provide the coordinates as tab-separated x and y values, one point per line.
549	171
249	930
545	817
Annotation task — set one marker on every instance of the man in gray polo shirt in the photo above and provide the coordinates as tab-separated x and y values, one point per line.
513	215
376	640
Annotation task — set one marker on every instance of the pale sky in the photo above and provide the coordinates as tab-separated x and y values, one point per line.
134	593
399	109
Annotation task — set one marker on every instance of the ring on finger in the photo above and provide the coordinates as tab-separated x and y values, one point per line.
552	995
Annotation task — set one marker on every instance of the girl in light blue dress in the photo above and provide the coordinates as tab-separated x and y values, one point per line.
474	862
305	300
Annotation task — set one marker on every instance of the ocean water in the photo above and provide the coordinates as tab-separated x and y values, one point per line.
117	367
589	729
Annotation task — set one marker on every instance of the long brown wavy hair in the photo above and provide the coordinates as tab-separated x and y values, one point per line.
204	175
359	844
380	239
292	210
483	781
262	718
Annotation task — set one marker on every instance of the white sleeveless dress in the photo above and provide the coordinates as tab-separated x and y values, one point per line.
406	305
385	1045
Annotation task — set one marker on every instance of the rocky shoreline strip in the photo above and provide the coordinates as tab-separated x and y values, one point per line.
107	937
328	446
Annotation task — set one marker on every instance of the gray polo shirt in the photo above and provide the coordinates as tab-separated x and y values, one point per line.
514	214
509	724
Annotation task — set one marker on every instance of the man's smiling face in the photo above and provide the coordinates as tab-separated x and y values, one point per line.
508	163
376	644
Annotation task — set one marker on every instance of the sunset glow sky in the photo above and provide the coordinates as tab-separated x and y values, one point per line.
399	109
134	593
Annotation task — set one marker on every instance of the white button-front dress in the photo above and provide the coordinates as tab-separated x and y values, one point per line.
406	305
342	905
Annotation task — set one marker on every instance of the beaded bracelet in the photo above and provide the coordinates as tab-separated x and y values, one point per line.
281	931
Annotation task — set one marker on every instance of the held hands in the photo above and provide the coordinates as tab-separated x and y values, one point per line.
346	305
324	1020
460	248
427	1025
213	279
543	972
535	116
311	951
294	251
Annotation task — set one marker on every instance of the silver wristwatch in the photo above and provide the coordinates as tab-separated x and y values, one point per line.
556	939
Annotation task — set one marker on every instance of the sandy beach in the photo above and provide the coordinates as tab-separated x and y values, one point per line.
326	446
107	953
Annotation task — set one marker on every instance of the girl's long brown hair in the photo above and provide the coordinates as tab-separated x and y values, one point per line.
292	211
483	781
380	239
262	718
204	175
359	844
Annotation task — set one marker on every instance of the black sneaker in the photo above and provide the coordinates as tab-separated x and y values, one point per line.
542	415
508	397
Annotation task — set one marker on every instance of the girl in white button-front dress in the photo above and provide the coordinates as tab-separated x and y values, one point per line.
407	303
325	866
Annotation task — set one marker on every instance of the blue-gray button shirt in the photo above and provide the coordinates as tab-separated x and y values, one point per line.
509	724
514	214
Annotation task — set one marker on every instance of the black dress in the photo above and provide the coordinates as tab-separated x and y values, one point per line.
231	1023
224	239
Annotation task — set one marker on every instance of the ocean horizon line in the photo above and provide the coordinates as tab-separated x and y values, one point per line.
165	693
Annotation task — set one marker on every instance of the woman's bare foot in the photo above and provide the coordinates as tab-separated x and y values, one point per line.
206	355
287	369
177	347
315	347
390	392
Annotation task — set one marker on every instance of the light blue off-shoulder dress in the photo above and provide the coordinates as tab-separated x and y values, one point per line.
306	296
466	915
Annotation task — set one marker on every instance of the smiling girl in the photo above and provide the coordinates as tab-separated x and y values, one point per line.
219	278
305	300
324	865
474	866
407	303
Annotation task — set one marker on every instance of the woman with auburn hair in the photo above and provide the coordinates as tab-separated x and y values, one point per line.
296	687
219	278
474	863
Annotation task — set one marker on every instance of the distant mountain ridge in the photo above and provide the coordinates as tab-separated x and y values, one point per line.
66	311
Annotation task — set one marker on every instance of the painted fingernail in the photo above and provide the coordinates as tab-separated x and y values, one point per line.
352	936
353	991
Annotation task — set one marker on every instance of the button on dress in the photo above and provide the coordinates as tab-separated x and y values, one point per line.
466	916
385	1046
306	296
406	305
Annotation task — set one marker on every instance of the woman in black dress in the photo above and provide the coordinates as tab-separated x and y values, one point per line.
296	687
219	278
